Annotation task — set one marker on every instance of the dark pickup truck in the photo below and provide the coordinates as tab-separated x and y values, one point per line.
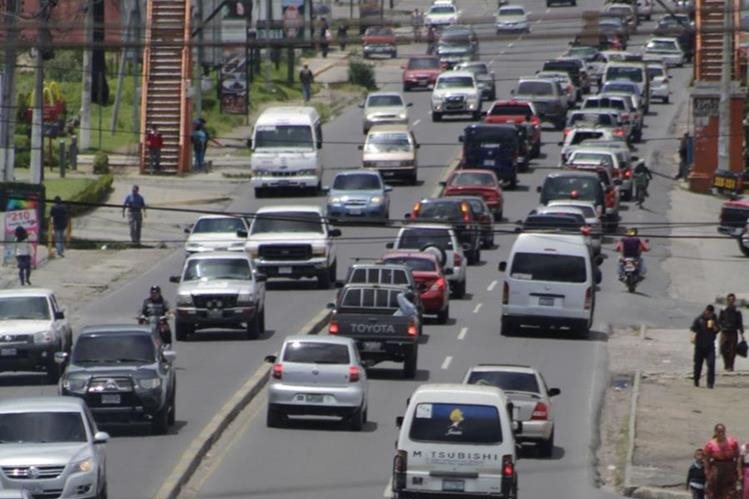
734	221
366	313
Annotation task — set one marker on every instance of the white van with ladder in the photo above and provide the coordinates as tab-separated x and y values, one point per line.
286	143
456	440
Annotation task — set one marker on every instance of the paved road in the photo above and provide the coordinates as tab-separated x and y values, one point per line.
306	462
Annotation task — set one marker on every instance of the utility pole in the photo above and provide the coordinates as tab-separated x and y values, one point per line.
84	140
197	97
37	117
724	109
8	93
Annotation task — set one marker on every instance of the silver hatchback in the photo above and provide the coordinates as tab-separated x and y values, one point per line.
530	397
318	376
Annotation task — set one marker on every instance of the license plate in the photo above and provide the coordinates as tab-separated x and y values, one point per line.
355	211
371	346
488	162
110	399
423	81
8	352
546	301
453	485
630	267
313	398
284	270
215	314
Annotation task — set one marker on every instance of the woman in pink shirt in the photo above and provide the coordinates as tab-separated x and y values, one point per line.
721	465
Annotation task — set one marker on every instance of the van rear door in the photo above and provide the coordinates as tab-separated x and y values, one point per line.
565	276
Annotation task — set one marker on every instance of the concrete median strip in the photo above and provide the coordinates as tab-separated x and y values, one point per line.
202	443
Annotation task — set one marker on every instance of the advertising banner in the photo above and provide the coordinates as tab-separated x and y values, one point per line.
233	85
29	221
293	18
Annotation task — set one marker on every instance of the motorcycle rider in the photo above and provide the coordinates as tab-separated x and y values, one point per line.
631	246
155	306
642	178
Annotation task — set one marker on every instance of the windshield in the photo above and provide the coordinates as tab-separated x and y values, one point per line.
287	221
33	308
479	69
604	103
510	381
584	52
587	210
590	157
456	424
579	136
357	182
595	119
550	75
379	275
283	136
419	238
548	267
387	142
41	427
378	32
455	82
655	72
424	63
620	87
500	110
661	45
310	352
442	9
472	179
511	12
218	268
113	348
439	210
619	11
563	187
384	100
535	88
624	73
205	225
414	263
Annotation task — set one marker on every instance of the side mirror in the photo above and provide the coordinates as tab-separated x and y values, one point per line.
61	357
338	284
510	409
460	138
325	189
270	359
249	143
553	392
502	266
169	355
538	188
361	106
448	271
635	158
418	146
319	144
101	437
512	92
334	232
242	233
174	279
330	306
59	315
360	147
187	230
399	421
560	143
410	104
388	188
403	66
389	245
260	277
407	215
443	183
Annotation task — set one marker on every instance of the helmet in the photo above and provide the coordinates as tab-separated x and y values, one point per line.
156	289
631	231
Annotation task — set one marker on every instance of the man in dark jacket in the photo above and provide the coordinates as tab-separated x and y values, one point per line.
59	215
306	78
704	330
731	326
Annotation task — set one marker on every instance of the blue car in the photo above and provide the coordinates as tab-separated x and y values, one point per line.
358	194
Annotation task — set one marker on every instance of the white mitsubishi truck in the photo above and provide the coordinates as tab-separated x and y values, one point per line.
286	143
293	242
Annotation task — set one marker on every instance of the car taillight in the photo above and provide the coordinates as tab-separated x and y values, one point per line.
625	116
566	131
540	412
588	298
333	327
438	285
508	467
585	230
466	211
610	198
277	371
627	173
505	293
412	329
415	210
457	260
353	374
618	132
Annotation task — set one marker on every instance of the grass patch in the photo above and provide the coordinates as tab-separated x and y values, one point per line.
67	188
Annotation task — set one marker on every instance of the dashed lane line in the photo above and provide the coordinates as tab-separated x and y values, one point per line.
462	333
492	286
388	488
477	308
417	122
446	362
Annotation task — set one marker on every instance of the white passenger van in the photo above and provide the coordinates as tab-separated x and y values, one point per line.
550	281
456	440
635	72
286	143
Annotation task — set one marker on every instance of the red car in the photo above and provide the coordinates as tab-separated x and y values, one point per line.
482	183
430	279
517	111
421	71
379	40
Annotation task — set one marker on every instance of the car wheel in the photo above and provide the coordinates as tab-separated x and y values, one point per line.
323	279
274	417
253	328
413	178
443	315
160	423
173	406
476	116
666	99
436	117
183	330
406	88
498	216
357	419
581	330
744	249
409	364
393	55
459	291
53	370
262	321
103	493
506	327
546	448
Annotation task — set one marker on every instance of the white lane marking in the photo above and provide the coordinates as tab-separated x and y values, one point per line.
511	44
492	286
388	488
538	21
462	333
548	9
417	122
477	308
446	362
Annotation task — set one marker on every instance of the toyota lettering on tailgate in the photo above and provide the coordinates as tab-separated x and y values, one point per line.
372	328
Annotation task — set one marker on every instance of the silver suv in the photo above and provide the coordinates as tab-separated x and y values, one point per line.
51	447
219	289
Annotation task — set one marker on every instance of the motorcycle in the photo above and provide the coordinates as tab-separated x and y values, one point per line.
630	273
159	324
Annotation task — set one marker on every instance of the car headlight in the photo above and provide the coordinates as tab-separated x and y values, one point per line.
436	100
402	116
308	171
245	298
335	200
253	251
83	466
43	337
184	300
318	250
149	383
376	200
260	171
74	385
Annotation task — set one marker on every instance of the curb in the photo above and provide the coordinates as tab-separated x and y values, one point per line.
659	493
331	65
201	444
632	427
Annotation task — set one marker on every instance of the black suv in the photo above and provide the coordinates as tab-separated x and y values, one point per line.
457	213
575	68
124	374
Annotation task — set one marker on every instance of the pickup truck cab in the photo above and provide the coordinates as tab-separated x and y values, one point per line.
370	315
516	112
293	242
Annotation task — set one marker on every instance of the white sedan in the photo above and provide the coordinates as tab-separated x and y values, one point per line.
659	85
441	14
512	18
667	49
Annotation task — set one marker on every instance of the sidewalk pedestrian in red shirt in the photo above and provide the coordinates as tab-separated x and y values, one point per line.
154	142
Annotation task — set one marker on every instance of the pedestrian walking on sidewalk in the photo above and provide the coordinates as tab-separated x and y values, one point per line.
721	464
696	475
199	144
744	470
683	157
342	34
704	330
431	40
154	142
60	219
416	20
306	78
324	36
731	327
23	255
135	206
